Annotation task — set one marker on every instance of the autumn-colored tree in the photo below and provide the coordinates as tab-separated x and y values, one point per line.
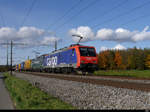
103	59
132	58
124	55
147	61
140	60
118	59
111	62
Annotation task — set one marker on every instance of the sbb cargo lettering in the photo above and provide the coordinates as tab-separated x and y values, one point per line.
52	61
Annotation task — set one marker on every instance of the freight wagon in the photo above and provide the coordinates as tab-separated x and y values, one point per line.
19	67
27	65
16	67
22	66
37	63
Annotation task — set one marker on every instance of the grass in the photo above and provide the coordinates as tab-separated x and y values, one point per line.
26	96
129	73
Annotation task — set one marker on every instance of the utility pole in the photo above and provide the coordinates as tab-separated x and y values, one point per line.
7	54
11	57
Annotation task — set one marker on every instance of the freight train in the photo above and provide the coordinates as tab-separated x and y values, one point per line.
75	58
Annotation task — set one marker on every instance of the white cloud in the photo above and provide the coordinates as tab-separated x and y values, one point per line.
103	48
123	35
84	31
30	32
141	36
29	35
105	34
117	47
49	40
119	35
7	33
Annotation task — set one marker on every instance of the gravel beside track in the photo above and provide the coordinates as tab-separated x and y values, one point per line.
112	78
120	83
90	96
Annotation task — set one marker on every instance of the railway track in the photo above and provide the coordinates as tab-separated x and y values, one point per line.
119	82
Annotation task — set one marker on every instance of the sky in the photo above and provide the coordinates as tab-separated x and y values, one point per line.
104	24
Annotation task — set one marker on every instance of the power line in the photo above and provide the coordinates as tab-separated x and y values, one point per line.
28	12
121	14
67	12
77	14
135	19
2	18
11	46
108	11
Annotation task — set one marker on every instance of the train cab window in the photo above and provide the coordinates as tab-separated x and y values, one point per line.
85	51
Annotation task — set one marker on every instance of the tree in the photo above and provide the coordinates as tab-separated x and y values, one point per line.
132	59
140	60
124	55
118	59
103	59
111	62
147	61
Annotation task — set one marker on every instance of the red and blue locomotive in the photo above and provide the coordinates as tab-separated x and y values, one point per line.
73	58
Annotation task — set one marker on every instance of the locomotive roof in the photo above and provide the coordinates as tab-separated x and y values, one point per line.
65	48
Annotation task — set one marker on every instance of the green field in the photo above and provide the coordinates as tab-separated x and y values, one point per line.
26	96
129	73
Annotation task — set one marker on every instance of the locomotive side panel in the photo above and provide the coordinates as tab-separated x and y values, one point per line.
67	58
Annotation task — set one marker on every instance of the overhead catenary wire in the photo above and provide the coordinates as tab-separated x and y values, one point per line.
122	14
2	18
28	12
11	53
66	13
120	4
135	19
77	14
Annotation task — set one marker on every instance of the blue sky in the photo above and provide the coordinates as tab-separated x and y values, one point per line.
45	14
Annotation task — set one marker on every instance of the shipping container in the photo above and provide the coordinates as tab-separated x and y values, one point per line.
27	65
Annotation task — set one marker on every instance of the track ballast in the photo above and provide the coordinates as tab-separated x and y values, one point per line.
98	81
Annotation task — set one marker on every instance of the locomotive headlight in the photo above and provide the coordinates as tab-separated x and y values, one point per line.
82	61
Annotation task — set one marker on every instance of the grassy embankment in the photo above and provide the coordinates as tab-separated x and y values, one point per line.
129	73
26	96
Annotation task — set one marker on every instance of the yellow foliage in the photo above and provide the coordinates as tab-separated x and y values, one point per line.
103	59
118	59
147	61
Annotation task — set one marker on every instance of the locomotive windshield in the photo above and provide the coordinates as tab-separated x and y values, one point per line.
85	51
